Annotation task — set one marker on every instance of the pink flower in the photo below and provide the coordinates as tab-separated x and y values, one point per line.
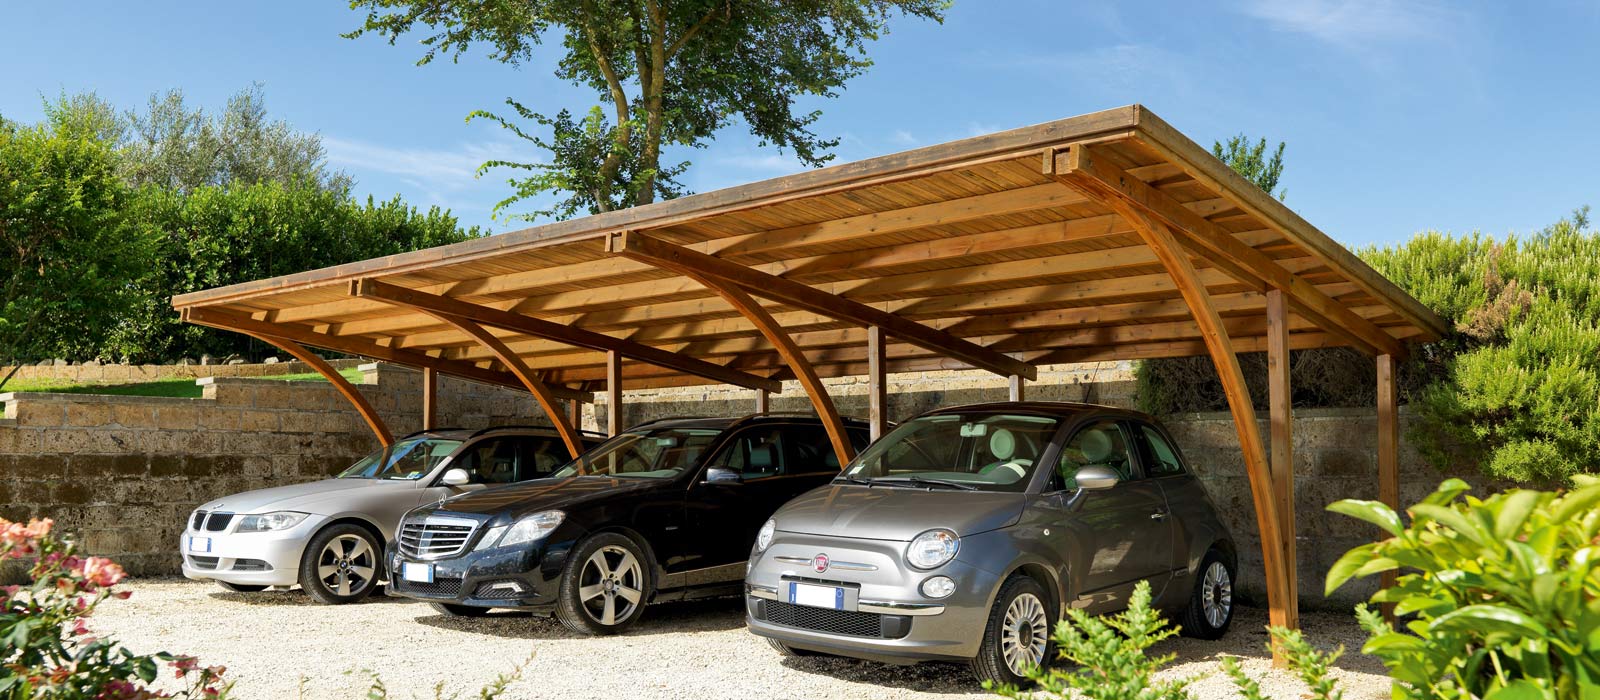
102	572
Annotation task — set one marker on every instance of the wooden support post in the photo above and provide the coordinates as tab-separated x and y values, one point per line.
575	414
430	398
762	399
613	393
1388	451
1014	392
348	390
1282	422
877	382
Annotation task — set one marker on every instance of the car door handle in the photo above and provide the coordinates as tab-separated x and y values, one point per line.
1158	515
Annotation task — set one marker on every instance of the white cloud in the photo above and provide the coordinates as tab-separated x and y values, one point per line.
432	168
901	137
1119	67
1355	23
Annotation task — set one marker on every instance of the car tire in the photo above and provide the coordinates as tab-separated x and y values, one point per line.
786	650
341	565
1020	623
458	610
240	587
604	586
1210	609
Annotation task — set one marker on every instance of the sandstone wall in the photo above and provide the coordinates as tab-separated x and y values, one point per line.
131	374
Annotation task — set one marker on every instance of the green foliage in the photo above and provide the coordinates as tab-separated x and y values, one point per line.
672	74
1502	594
1252	162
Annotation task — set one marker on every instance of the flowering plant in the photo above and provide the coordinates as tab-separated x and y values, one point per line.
46	648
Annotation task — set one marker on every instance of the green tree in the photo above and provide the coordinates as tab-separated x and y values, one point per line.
1253	162
671	74
68	255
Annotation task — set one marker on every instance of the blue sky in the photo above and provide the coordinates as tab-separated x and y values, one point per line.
1400	116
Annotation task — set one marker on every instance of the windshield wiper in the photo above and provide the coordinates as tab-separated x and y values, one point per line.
853	480
922	481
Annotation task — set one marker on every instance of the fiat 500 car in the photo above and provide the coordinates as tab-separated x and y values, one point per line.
328	536
964	533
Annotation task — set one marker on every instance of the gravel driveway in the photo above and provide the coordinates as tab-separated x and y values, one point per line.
271	641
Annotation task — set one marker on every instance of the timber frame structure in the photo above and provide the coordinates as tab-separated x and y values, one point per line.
1107	236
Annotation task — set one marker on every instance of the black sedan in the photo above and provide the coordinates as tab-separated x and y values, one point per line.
664	511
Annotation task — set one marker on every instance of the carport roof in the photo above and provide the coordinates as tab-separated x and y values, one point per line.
1002	252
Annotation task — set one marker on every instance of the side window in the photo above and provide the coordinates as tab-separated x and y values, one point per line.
810	451
1099	444
492	461
755	453
540	457
1160	458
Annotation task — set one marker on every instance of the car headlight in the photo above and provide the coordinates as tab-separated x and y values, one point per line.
932	548
532	528
266	522
764	537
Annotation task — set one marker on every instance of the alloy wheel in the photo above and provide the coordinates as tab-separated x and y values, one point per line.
611	585
1216	595
346	565
1025	633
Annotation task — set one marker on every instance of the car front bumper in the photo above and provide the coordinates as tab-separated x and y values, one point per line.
519	577
247	558
910	627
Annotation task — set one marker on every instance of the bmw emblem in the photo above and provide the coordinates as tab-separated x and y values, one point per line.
819	563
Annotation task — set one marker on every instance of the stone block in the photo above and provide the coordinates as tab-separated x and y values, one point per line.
36	413
166	465
99	467
177	417
133	415
1343	462
89	414
216	418
15	440
259	421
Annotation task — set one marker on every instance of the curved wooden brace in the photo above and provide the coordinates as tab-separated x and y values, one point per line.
541	392
351	394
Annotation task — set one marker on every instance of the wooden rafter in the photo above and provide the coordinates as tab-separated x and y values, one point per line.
642	247
345	388
540	328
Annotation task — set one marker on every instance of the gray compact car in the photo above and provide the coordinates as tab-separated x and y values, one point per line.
328	536
965	532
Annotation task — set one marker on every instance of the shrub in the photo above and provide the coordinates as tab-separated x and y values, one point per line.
1503	594
49	652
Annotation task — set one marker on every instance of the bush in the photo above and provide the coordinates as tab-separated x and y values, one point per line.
49	652
1503	593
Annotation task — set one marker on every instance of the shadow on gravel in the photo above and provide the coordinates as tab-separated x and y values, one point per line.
1248	638
665	618
294	597
929	677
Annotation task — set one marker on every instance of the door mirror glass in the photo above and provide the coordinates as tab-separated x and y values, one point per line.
716	475
1097	478
456	477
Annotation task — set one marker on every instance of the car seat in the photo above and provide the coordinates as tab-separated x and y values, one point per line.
1099	450
1005	468
761	462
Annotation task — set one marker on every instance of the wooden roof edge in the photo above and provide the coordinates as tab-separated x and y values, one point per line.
1017	142
1204	167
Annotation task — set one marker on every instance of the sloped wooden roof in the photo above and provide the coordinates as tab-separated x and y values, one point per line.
977	238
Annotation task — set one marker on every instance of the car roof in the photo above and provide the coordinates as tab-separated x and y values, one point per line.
726	422
466	434
1061	409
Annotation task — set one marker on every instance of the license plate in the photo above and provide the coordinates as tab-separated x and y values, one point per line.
421	573
200	544
816	596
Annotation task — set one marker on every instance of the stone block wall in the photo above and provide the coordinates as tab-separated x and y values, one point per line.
132	374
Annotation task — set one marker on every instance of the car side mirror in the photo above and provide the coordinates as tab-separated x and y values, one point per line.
1097	478
455	476
717	475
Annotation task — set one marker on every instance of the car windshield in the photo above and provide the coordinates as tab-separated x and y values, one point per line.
406	460
969	451
650	454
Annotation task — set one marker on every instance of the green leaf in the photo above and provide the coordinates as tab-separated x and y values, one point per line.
1450	518
1347	566
1570	505
1514	512
1371	511
1519	689
1489	618
1420	603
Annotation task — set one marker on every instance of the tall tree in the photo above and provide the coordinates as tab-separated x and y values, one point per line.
1253	162
672	73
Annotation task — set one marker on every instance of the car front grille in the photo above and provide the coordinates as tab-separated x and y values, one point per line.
209	521
250	565
197	520
207	563
437	587
434	537
845	622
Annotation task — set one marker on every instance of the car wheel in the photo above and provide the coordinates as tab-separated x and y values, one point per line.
605	585
240	587
787	650
1210	608
1017	635
456	610
341	565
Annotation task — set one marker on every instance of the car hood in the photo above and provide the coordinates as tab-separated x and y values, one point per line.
325	497
897	513
545	494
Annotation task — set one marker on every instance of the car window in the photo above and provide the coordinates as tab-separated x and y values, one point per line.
408	459
978	450
811	451
658	454
541	456
756	453
1160	458
1100	444
491	461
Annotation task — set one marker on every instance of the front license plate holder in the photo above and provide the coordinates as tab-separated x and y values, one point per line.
820	595
416	573
200	545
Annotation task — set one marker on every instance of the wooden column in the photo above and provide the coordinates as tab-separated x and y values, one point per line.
877	382
575	414
762	399
348	390
1388	450
613	393
1282	422
430	398
1015	388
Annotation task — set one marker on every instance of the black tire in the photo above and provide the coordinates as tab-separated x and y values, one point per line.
586	597
990	664
1199	618
240	587
786	650
345	575
456	610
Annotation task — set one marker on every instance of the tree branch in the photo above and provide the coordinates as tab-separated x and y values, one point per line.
692	30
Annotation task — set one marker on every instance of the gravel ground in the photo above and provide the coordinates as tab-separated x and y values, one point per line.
280	645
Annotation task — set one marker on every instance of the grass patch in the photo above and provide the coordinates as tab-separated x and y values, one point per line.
176	387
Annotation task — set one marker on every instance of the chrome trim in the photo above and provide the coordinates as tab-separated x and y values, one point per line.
764	592
842	565
889	607
435	537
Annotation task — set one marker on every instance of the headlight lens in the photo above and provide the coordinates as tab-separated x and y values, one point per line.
932	548
764	537
532	528
938	587
266	522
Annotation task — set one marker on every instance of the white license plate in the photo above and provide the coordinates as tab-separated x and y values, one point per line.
200	544
816	596
421	573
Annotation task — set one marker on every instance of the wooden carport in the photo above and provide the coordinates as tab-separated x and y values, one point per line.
1100	237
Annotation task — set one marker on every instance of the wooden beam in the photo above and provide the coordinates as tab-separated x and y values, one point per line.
1282	602
613	393
1014	388
1280	404
540	328
216	318
345	388
877	382
430	398
1388	450
1080	168
683	260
